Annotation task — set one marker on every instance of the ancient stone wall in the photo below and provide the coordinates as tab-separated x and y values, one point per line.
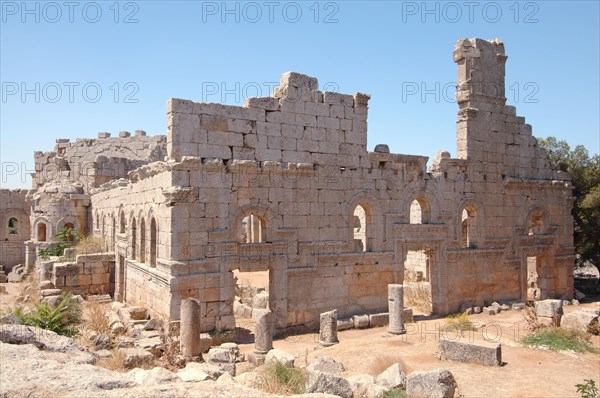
89	274
14	227
286	184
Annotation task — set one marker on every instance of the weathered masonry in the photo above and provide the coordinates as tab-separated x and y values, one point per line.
286	184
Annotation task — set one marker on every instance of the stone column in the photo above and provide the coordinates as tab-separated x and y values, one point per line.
190	328
396	307
30	253
263	333
328	328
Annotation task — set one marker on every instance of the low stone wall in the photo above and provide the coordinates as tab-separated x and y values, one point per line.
88	274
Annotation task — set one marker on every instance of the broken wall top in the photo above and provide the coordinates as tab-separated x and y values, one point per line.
297	124
88	163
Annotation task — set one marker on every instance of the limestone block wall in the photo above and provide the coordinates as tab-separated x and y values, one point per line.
14	227
89	274
297	164
299	124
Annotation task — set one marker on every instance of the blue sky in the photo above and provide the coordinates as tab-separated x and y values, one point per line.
73	69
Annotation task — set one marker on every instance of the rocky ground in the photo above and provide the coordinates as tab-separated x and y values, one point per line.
47	365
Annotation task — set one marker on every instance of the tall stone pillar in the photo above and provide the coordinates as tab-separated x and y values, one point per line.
328	328
190	328
30	253
396	306
263	333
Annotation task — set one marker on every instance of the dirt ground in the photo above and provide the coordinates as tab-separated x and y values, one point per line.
526	372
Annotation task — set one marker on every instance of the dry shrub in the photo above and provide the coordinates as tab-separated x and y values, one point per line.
418	295
97	317
29	287
531	319
115	362
170	351
381	363
90	244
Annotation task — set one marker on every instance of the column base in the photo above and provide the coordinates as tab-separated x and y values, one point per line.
396	330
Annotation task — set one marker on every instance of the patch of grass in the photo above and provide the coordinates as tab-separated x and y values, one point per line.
557	339
395	393
61	320
459	322
277	379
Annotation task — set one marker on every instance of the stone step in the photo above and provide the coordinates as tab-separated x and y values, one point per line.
100	298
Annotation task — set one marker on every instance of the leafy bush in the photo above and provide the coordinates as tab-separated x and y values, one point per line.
54	250
587	389
67	235
557	339
61	320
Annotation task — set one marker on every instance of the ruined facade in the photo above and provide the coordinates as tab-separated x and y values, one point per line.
286	184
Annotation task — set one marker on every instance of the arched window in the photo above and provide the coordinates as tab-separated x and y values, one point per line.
133	238
13	226
536	223
419	212
153	241
468	224
41	232
253	229
360	228
142	241
122	222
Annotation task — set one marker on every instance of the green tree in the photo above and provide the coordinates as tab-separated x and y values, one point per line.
585	170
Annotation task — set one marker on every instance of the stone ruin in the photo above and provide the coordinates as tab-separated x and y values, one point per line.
285	184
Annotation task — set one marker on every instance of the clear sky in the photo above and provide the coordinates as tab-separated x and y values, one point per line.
75	68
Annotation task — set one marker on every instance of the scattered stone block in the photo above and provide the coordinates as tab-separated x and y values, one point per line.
548	308
326	364
196	371
378	320
518	306
102	342
392	377
361	321
477	310
261	300
463	351
50	292
277	355
438	383
327	383
328	328
138	313
137	358
489	311
345	324
157	375
579	321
